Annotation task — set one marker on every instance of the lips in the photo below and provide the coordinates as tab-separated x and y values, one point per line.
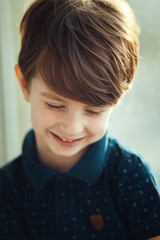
66	142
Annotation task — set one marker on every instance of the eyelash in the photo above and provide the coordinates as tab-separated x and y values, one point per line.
94	113
50	106
58	108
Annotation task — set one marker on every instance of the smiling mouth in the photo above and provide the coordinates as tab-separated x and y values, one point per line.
67	140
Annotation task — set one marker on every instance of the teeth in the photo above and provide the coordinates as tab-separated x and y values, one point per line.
65	140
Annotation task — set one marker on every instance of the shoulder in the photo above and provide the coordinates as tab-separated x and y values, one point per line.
134	191
12	201
11	167
129	175
11	175
126	163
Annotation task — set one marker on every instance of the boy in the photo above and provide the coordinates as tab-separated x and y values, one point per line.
77	59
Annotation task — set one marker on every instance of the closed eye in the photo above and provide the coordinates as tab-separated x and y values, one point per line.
54	107
94	112
61	107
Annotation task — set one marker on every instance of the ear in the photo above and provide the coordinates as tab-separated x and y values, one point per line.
23	84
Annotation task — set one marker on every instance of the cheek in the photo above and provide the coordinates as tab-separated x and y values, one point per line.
41	117
98	126
36	119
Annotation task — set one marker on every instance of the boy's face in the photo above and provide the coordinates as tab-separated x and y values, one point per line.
64	128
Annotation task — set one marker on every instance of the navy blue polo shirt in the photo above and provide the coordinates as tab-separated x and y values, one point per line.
109	194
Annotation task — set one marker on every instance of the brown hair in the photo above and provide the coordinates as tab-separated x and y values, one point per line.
86	50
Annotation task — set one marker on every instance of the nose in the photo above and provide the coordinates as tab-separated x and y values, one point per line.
72	124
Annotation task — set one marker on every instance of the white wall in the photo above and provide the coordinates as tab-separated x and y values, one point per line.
137	120
13	111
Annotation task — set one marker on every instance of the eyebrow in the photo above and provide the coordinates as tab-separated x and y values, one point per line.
51	96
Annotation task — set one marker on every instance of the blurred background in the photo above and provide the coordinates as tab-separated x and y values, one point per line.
136	121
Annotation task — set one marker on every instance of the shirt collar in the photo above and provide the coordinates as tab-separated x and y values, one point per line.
88	169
